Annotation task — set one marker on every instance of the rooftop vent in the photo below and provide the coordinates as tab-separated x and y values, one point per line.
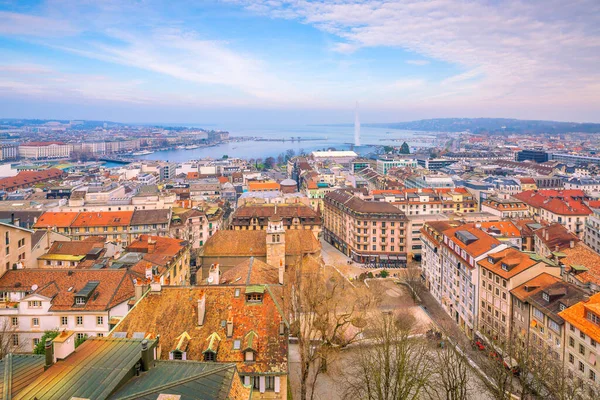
466	237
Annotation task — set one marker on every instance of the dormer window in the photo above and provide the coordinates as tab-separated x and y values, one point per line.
249	356
178	355
504	267
80	300
562	307
210	356
593	317
545	296
254	298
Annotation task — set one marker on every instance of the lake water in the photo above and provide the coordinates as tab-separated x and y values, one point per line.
314	138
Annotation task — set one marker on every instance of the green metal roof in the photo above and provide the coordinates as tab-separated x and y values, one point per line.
61	257
559	254
255	289
17	371
579	268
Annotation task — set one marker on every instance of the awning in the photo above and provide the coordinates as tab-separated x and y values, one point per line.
255	289
579	268
533	323
592	359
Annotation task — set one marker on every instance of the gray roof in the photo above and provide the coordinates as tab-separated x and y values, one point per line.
145	217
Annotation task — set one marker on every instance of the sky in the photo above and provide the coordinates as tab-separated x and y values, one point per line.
299	61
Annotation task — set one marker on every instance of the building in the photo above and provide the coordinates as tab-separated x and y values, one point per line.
45	150
16	247
84	301
339	157
113	225
500	273
150	222
553	238
384	164
505	207
163	260
582	336
429	181
592	231
238	324
229	248
566	207
70	254
8	152
294	215
263	186
127	369
26	179
455	250
575	159
539	156
587	184
367	231
434	164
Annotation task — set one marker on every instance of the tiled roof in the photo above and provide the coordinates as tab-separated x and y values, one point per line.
361	206
534	285
581	254
251	272
115	286
104	218
255	185
483	244
221	304
556	237
576	315
55	219
74	247
563	202
29	178
254	243
559	293
145	217
504	228
513	260
244	214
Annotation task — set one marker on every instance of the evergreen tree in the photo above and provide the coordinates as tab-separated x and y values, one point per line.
404	149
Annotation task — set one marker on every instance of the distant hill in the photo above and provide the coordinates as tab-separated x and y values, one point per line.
491	125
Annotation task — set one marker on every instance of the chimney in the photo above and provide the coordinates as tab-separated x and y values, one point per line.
201	309
547	234
64	345
572	244
151	245
230	327
49	352
12	218
139	291
281	271
17	222
147	356
214	274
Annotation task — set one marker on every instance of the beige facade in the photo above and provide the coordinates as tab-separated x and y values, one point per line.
16	248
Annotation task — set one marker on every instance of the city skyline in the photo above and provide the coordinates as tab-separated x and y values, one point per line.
298	62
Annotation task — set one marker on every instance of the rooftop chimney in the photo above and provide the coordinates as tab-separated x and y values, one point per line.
151	245
201	309
230	327
281	271
49	352
214	274
572	244
147	356
547	234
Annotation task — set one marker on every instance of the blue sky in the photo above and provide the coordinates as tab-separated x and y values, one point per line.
299	61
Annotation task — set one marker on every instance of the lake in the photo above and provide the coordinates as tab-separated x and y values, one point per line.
314	138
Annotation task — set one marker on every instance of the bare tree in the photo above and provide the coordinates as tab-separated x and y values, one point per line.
7	338
412	278
394	365
327	314
452	375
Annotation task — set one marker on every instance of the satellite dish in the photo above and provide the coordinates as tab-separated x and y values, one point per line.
210	279
34	287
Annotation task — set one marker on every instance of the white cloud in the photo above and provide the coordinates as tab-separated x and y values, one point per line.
32	25
418	62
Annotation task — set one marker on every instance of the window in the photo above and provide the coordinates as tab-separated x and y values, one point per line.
80	336
592	375
99	320
571	341
538	314
208	356
254	298
249	356
100	335
15	339
36	341
546	296
582	335
237	292
64	320
270	383
581	349
79	300
572	328
571	358
35	322
593	317
256	382
553	325
581	367
34	304
237	344
15	321
592	342
79	320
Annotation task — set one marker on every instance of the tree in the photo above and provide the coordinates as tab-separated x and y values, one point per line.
384	274
290	153
80	340
395	365
40	348
388	149
412	278
225	157
327	314
269	162
451	372
404	149
280	158
7	335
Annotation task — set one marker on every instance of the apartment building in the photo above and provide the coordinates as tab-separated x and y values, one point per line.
384	164
79	300
505	207
500	273
582	337
461	248
295	216
44	150
16	247
592	231
567	207
367	231
428	200
25	179
432	237
163	260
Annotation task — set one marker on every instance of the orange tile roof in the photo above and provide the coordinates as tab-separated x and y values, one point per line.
483	244
55	219
576	315
222	179
534	285
103	218
221	304
516	261
581	254
255	185
28	178
251	272
506	228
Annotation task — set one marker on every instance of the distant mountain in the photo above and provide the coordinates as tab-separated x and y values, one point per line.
491	125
